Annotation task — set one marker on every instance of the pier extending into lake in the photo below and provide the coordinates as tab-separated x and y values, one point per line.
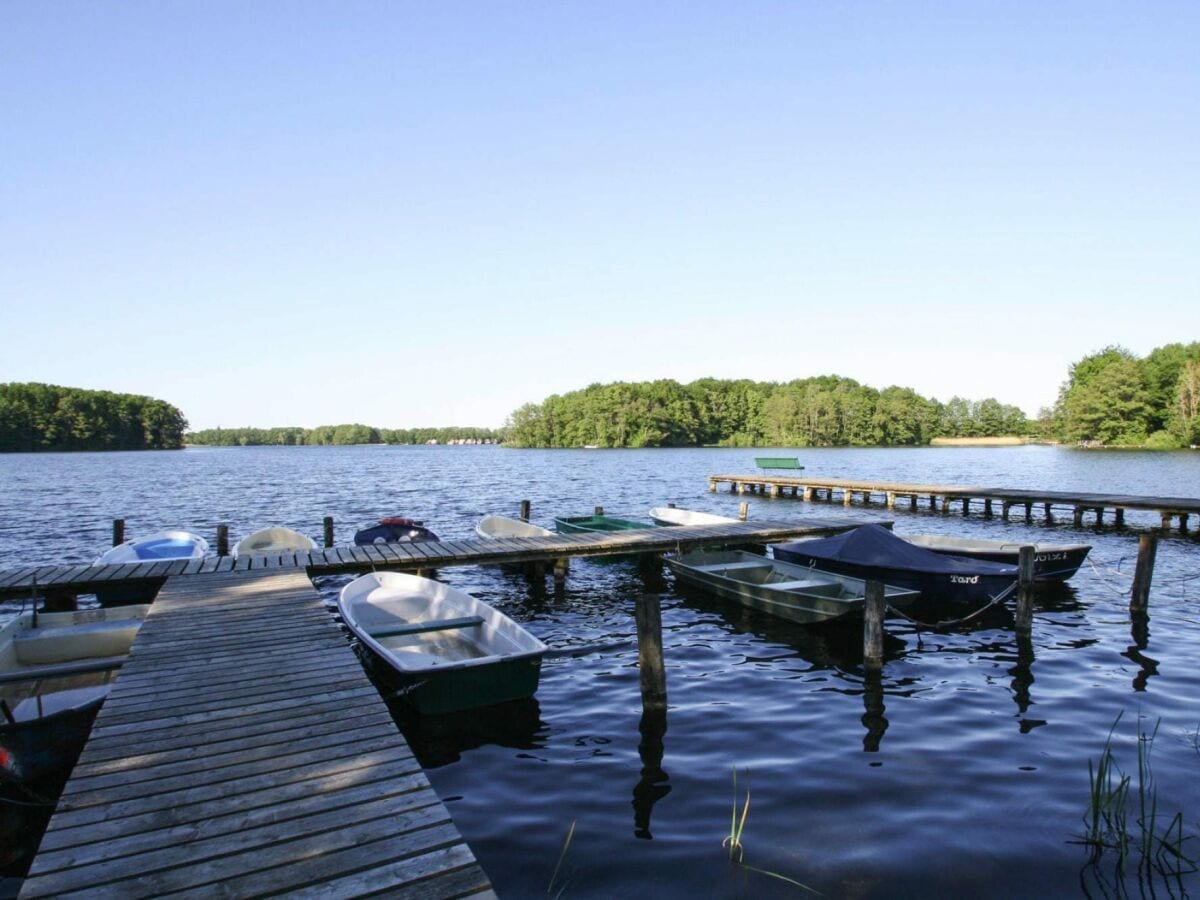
242	751
51	580
945	496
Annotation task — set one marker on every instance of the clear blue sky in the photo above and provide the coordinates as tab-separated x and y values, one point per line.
430	213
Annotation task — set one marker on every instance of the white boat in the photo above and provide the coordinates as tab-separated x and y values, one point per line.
163	545
155	548
55	671
670	515
504	527
273	540
447	650
789	591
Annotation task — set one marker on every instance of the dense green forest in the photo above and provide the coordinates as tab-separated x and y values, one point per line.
809	412
1110	398
337	434
48	417
1113	398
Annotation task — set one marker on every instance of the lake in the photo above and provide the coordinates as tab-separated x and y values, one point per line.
963	770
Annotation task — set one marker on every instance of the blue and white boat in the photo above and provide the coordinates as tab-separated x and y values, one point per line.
155	548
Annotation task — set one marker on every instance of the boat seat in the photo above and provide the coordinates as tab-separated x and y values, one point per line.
809	585
431	625
64	643
722	567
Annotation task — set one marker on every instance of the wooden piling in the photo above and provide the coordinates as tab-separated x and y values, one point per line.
560	572
873	610
743	511
1119	517
1139	599
652	672
523	511
1047	508
1025	559
118	532
599	511
222	540
987	507
327	526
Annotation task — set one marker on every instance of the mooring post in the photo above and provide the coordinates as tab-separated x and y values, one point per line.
523	512
1025	560
1048	508
118	532
743	511
222	540
560	572
873	610
1119	517
598	511
966	506
1139	599
712	485
328	527
1029	512
987	507
652	672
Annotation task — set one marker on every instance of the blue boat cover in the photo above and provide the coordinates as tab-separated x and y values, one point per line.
875	546
164	548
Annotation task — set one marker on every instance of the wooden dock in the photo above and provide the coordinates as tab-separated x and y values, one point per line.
53	580
942	496
241	752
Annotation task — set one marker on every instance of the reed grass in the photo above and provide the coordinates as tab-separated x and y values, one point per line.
1125	822
561	856
737	851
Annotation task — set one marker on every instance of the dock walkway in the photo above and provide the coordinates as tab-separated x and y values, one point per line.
78	579
242	752
942	495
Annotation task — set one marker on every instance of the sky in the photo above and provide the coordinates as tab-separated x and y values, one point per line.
429	214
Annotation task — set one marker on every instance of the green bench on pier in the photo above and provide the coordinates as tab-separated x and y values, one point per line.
778	462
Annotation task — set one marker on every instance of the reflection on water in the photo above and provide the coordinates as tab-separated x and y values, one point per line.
910	783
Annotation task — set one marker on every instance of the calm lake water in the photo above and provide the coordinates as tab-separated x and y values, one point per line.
962	772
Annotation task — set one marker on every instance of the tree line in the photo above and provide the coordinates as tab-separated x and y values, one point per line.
44	417
811	412
335	435
1114	398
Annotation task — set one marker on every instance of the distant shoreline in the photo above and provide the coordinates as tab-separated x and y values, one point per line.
1007	441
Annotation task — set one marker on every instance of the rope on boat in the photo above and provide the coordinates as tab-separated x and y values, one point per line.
950	623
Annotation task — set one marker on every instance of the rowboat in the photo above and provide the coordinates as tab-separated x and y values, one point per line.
445	649
781	589
155	548
55	671
596	523
670	515
273	540
872	551
504	527
1051	562
394	530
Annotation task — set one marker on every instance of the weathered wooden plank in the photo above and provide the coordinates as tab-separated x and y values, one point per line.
130	757
93	827
413	791
152	778
229	859
445	872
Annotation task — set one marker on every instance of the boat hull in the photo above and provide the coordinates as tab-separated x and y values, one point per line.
1051	562
596	524
34	749
944	586
800	595
460	689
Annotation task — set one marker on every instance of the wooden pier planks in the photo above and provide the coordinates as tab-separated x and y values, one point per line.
1167	507
432	554
243	751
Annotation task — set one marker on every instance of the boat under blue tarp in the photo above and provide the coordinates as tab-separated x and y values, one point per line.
873	552
394	530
